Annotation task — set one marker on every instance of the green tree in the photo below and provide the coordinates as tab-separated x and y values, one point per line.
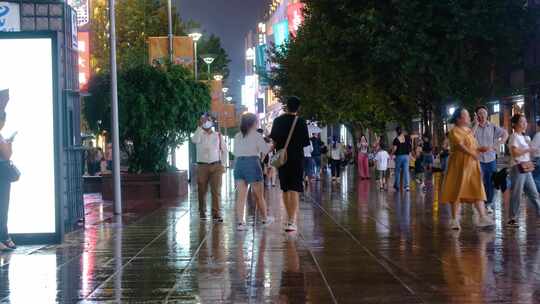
136	20
212	45
158	107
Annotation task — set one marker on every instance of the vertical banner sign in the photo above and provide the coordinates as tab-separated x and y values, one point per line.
10	17
81	7
281	32
84	60
295	16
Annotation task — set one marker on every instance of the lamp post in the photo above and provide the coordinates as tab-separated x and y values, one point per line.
218	77
208	59
114	112
195	36
169	19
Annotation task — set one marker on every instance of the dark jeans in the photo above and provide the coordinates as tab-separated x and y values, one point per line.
317	163
5	188
488	169
335	166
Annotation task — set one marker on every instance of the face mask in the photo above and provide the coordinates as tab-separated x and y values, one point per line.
208	125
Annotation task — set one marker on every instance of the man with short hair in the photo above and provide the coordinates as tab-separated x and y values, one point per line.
316	154
211	155
291	174
491	137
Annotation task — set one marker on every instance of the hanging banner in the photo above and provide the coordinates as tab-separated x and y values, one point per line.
10	17
158	48
281	32
295	16
84	60
83	12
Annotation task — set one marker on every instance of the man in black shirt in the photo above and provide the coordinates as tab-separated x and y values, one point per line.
291	174
316	154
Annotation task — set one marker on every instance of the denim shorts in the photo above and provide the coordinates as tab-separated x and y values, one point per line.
248	169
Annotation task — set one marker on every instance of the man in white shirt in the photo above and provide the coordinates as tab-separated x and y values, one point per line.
211	155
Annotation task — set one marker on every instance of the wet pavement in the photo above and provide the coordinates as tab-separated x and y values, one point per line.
355	245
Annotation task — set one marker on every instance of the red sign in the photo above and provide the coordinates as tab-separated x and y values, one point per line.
84	60
296	17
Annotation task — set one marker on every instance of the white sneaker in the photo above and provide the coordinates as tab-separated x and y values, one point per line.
489	209
291	227
269	220
454	225
485	222
241	226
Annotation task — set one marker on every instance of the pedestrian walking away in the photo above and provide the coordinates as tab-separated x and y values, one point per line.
292	172
248	148
381	166
521	169
489	137
317	145
6	243
336	158
463	180
211	154
309	172
536	145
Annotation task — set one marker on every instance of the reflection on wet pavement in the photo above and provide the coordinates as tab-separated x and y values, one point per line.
355	245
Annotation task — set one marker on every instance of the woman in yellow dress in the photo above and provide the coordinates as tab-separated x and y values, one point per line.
463	181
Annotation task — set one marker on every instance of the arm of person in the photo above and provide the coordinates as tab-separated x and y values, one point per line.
223	148
501	136
6	150
197	136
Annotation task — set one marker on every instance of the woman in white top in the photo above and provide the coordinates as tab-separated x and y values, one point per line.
522	179
249	149
336	157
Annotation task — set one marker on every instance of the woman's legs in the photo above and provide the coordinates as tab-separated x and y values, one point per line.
532	192
5	188
456	211
518	183
258	191
241	198
364	166
333	168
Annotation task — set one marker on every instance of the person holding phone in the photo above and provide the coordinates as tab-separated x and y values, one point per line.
5	184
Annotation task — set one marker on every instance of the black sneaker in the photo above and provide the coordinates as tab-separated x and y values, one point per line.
217	219
512	224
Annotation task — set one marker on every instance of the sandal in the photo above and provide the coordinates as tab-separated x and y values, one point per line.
9	243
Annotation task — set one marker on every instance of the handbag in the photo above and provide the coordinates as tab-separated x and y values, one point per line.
526	167
9	172
280	158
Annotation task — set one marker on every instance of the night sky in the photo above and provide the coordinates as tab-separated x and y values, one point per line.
230	20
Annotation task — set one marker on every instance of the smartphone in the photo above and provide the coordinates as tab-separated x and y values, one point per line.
12	137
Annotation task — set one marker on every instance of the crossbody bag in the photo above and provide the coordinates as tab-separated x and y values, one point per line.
280	158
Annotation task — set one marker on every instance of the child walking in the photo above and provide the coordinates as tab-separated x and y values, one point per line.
382	159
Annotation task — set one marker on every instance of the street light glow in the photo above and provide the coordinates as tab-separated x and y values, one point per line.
218	77
195	36
228	98
208	59
225	90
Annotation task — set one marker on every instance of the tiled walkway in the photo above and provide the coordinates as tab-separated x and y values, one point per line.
355	245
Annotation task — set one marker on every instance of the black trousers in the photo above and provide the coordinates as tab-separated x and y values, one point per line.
335	166
5	188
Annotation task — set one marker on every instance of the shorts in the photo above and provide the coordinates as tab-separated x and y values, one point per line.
308	167
291	175
427	159
248	169
380	174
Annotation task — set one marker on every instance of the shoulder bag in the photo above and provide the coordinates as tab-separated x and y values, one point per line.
280	158
9	171
526	167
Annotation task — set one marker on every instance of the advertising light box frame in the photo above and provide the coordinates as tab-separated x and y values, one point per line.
48	237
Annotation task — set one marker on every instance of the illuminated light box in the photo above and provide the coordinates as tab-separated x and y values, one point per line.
28	71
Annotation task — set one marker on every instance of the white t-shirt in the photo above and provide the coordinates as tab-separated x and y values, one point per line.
251	145
308	150
521	142
536	144
381	158
337	152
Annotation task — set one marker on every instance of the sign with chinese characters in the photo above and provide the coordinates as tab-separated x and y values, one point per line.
81	7
10	18
84	60
281	33
295	16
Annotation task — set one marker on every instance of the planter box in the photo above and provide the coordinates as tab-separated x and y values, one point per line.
147	191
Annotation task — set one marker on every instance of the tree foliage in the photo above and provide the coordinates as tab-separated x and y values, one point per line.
212	45
365	62
158	109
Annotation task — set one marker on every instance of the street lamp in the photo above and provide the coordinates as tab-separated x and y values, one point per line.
208	59
228	99
195	36
218	77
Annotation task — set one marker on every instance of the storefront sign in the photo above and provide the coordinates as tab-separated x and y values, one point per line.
281	32
295	16
28	75
81	7
84	60
10	18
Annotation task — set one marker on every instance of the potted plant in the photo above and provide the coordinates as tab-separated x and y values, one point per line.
158	109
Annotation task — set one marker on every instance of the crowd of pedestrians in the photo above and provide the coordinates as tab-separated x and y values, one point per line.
467	160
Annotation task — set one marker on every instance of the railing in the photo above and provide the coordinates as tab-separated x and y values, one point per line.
74	208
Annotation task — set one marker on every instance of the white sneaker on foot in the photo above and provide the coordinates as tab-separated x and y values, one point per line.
291	227
269	220
489	209
485	222
454	225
